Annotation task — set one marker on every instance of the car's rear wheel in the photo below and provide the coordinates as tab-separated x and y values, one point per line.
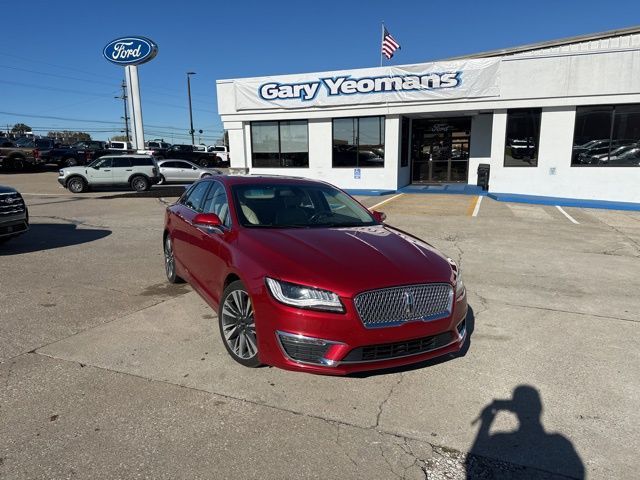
238	325
140	183
162	180
170	262
69	162
76	185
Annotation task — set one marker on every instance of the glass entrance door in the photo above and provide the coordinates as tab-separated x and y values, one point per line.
440	149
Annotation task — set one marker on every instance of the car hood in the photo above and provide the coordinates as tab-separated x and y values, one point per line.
345	260
5	189
79	169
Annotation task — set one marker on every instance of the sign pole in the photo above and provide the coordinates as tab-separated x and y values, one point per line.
131	52
135	107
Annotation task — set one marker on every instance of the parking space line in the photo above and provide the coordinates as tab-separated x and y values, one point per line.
567	215
476	207
385	201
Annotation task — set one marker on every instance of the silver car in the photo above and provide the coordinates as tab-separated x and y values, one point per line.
182	171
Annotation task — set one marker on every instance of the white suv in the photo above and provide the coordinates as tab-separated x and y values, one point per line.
137	171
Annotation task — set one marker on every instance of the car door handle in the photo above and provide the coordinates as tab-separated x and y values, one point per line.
106	170
129	170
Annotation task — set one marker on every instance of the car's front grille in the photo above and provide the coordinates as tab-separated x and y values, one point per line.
393	306
11	204
407	348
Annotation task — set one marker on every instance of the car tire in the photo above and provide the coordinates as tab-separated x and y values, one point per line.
69	162
76	185
170	261
161	180
205	175
140	183
17	163
236	320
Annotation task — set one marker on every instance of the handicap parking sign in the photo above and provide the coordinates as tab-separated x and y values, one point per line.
356	173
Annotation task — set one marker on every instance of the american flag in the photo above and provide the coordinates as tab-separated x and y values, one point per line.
389	44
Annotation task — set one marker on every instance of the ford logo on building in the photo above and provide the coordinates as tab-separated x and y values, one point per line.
130	50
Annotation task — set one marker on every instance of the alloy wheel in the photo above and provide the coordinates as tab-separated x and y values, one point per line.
169	260
238	325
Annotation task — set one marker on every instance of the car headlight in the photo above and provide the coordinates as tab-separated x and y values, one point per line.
457	272
304	297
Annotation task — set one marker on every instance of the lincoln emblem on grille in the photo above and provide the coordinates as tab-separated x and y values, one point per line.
9	200
409	303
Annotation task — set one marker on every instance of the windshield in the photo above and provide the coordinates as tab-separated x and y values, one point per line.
298	206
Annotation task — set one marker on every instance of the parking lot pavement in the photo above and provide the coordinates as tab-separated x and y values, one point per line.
127	375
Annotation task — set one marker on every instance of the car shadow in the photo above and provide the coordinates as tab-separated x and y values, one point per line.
529	446
49	236
470	325
157	191
4	170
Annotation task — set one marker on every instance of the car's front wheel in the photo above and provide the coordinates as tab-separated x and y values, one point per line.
238	326
76	185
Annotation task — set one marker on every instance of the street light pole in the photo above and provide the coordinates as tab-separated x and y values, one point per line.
191	131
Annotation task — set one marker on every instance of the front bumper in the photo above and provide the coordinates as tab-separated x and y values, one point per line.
62	181
14	226
339	344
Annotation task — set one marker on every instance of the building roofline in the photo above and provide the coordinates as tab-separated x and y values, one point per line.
551	43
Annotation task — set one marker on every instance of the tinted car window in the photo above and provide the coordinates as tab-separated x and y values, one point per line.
141	162
194	199
121	162
103	163
182	165
169	165
216	202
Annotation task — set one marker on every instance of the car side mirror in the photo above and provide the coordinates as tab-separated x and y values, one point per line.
97	167
379	216
194	168
208	221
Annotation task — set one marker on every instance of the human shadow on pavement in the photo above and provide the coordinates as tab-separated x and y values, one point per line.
470	321
48	236
529	446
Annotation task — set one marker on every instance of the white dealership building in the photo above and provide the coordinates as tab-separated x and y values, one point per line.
554	119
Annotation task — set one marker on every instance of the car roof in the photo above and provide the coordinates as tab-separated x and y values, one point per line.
127	155
165	160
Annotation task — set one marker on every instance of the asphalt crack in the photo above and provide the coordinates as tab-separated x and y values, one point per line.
386	399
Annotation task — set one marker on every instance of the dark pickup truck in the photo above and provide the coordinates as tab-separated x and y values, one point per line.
79	153
18	158
188	152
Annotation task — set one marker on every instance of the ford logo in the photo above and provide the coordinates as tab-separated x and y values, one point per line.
130	50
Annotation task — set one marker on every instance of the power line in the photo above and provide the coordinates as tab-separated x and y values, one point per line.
85	120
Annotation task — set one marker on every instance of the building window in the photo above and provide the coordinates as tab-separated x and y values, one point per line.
358	142
523	136
280	144
607	136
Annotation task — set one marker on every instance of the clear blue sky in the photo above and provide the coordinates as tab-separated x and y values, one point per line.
51	60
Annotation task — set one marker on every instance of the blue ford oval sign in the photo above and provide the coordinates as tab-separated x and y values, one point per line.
130	50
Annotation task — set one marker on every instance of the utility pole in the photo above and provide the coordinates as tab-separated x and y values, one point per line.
124	97
191	131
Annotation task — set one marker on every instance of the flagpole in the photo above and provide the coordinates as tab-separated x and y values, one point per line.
381	42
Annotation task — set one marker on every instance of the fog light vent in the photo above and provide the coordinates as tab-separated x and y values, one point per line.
304	349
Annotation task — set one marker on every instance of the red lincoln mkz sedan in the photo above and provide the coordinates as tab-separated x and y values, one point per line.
303	277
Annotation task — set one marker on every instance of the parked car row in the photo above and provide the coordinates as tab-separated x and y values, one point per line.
29	152
139	172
